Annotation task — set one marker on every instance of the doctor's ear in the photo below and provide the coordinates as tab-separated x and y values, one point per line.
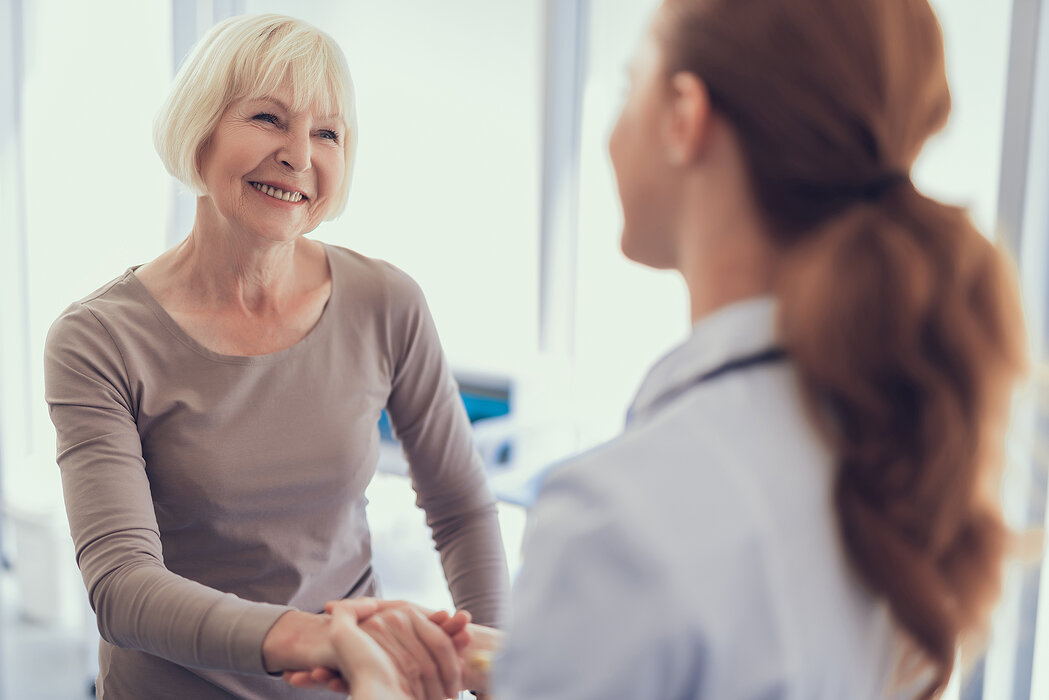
688	118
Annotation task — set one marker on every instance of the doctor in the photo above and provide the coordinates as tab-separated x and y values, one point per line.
803	503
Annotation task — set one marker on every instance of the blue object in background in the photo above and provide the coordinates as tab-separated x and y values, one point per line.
385	431
480	406
481	399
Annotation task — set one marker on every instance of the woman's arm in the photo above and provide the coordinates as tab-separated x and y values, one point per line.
447	473
138	603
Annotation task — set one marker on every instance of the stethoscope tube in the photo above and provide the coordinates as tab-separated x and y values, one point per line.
739	364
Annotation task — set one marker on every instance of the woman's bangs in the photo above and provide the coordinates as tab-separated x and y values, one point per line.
309	70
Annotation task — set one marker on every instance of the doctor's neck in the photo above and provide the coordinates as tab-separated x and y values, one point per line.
724	251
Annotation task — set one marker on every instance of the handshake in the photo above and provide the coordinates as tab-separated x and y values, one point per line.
382	649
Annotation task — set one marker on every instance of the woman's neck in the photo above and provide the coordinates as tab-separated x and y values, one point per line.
234	268
724	258
235	272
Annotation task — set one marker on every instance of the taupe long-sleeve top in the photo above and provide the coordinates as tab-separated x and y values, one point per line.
207	494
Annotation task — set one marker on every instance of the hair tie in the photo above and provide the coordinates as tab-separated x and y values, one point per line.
878	188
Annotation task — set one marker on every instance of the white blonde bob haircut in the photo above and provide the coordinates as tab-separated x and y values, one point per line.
248	57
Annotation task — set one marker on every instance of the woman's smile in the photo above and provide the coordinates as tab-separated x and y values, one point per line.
282	197
285	196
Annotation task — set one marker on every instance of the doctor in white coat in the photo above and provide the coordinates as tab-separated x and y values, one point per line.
803	502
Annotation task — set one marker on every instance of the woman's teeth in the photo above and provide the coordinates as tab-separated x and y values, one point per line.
276	193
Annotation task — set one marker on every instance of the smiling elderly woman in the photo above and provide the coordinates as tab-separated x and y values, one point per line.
217	408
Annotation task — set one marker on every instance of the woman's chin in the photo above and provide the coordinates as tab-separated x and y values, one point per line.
638	250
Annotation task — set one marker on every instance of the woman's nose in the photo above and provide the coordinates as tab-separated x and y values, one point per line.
295	152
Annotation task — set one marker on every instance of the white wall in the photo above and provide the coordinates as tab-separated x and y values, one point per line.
446	184
96	193
962	163
628	315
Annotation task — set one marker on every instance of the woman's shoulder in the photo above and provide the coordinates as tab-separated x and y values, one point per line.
88	334
107	303
361	274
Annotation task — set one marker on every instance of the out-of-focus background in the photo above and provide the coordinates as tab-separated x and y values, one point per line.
482	171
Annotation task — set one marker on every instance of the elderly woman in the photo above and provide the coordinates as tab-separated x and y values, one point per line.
217	408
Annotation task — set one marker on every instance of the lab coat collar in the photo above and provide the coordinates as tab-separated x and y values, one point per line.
735	331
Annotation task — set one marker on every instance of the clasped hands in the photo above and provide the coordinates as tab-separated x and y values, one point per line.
386	649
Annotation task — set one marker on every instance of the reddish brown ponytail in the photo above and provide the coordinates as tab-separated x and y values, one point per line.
907	332
903	320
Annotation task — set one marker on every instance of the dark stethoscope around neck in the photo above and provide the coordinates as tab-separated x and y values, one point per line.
739	364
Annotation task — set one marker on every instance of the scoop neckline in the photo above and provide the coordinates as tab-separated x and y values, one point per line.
193	344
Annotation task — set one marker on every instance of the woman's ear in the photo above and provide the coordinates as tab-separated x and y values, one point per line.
198	159
688	119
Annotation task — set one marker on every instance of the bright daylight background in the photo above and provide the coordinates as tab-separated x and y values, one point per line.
482	171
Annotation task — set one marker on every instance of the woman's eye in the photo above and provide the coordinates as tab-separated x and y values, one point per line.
272	119
329	134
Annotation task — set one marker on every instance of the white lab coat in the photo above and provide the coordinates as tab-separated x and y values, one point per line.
697	555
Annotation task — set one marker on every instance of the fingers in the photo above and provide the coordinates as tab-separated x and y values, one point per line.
359	608
420	648
455	626
419	657
443	651
317	679
382	652
338	685
451	624
424	646
378	628
363	661
461	640
323	675
299	679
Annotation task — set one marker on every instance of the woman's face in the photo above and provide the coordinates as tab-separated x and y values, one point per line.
639	158
271	171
